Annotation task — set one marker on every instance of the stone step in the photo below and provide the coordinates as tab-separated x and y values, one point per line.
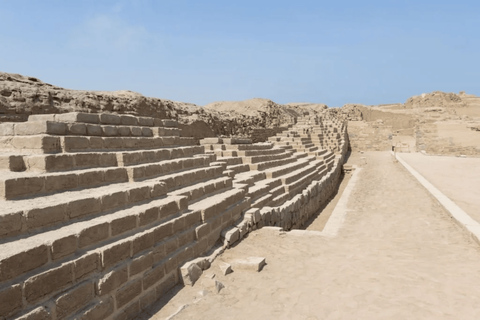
252	153
258	190
282	170
230	160
82	129
86	160
213	206
50	246
57	144
105	118
200	190
152	170
262	201
266	158
29	215
250	177
245	147
271	164
238	168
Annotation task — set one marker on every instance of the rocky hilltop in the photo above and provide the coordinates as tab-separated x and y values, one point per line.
21	96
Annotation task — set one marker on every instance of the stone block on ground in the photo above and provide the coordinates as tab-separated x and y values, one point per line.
190	272
250	263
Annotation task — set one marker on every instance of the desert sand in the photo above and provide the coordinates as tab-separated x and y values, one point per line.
398	255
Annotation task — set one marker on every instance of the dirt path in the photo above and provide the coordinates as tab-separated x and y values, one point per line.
397	256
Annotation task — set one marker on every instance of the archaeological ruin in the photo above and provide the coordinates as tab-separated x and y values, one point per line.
110	199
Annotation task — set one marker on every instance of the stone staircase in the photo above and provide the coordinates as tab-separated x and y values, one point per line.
102	212
99	211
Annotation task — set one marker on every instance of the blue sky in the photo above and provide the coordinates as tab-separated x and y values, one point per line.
332	52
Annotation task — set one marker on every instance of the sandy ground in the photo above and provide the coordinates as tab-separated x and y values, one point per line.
398	255
457	178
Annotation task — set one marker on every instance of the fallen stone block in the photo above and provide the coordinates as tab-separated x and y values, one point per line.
225	267
191	272
250	263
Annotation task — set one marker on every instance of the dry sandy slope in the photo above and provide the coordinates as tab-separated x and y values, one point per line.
397	256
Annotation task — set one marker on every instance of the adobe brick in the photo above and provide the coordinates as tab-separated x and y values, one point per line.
115	253
90	178
110	131
70	144
107	118
148	299
113	200
96	143
141	264
116	175
100	311
78	117
129	312
83	207
61	182
94	130
123	224
48	283
142	242
168	209
14	188
138	194
22	262
115	143
147	132
124	131
40	313
93	234
145	121
128	120
136	131
128	292
148	216
153	276
11	223
79	129
171	245
11	300
74	299
168	283
202	231
112	280
63	247
163	231
86	265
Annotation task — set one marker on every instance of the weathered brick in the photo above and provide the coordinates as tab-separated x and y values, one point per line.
129	312
63	246
168	283
86	265
93	234
168	210
74	299
138	194
109	131
159	252
142	242
90	179
128	120
48	282
113	200
78	117
40	313
83	207
116	175
22	262
153	276
10	300
96	143
42	217
185	237
128	292
123	224
148	299
100	310
94	130
145	121
78	129
112	280
163	231
107	118
146	217
202	231
178	224
171	245
11	223
141	264
14	188
115	253
70	144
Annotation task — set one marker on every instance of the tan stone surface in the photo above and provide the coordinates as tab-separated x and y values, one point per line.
398	255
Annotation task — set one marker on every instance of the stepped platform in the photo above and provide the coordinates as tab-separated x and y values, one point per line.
101	212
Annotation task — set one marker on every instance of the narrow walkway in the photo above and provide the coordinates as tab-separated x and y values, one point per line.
397	256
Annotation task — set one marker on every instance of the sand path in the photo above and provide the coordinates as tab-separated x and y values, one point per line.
398	255
457	178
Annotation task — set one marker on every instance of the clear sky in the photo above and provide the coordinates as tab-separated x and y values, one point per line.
200	51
